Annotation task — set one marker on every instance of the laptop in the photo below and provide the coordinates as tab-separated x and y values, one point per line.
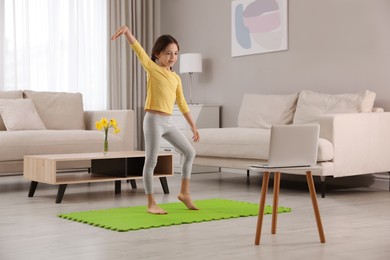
292	146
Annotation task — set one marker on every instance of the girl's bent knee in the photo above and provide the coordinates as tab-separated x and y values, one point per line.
191	154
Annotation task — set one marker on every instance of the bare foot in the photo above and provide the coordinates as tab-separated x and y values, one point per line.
155	209
186	199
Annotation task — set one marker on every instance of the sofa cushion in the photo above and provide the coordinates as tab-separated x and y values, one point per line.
59	110
311	105
15	144
20	114
263	111
246	143
12	94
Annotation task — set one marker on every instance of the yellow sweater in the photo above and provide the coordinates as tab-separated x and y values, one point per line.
163	86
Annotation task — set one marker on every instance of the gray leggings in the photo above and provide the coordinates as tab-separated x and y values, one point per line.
156	126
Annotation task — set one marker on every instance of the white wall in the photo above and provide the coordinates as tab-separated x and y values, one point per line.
334	47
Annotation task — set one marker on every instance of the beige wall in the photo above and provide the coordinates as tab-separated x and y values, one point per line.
334	47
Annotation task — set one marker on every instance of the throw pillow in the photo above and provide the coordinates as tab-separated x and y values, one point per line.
311	105
20	114
11	94
59	110
263	111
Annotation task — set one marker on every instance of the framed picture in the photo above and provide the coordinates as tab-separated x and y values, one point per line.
259	26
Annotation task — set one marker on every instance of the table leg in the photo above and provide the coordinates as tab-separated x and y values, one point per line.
323	188
262	206
313	195
33	187
118	187
61	192
133	184
164	184
275	202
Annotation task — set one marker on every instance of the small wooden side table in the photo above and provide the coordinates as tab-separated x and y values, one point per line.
277	172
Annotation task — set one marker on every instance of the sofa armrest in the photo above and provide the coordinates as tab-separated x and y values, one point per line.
360	140
124	118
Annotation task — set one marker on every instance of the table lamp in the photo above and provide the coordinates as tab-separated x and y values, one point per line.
191	63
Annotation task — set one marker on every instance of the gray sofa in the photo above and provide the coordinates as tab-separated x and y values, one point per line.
35	122
354	136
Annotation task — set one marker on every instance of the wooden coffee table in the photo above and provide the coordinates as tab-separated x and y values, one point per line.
114	166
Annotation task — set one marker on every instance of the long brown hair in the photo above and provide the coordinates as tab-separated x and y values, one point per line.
161	43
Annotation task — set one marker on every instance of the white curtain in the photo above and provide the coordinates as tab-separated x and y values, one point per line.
55	45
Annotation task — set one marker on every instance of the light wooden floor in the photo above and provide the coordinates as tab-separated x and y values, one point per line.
356	222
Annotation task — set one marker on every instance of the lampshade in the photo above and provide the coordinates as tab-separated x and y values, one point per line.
190	62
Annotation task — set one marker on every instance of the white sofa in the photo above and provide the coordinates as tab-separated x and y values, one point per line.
33	122
354	136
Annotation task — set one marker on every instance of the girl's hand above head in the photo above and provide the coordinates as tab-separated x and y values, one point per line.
122	30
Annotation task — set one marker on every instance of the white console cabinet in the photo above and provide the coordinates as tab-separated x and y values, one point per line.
205	116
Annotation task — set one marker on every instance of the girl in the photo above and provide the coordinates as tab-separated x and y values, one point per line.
163	89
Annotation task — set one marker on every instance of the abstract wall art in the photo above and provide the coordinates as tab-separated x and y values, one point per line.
259	26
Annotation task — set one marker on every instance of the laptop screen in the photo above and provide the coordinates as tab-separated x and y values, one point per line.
293	145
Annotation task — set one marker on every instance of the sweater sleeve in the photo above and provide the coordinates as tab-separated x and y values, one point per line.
180	99
145	60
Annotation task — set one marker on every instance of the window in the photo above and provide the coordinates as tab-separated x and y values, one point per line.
56	45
